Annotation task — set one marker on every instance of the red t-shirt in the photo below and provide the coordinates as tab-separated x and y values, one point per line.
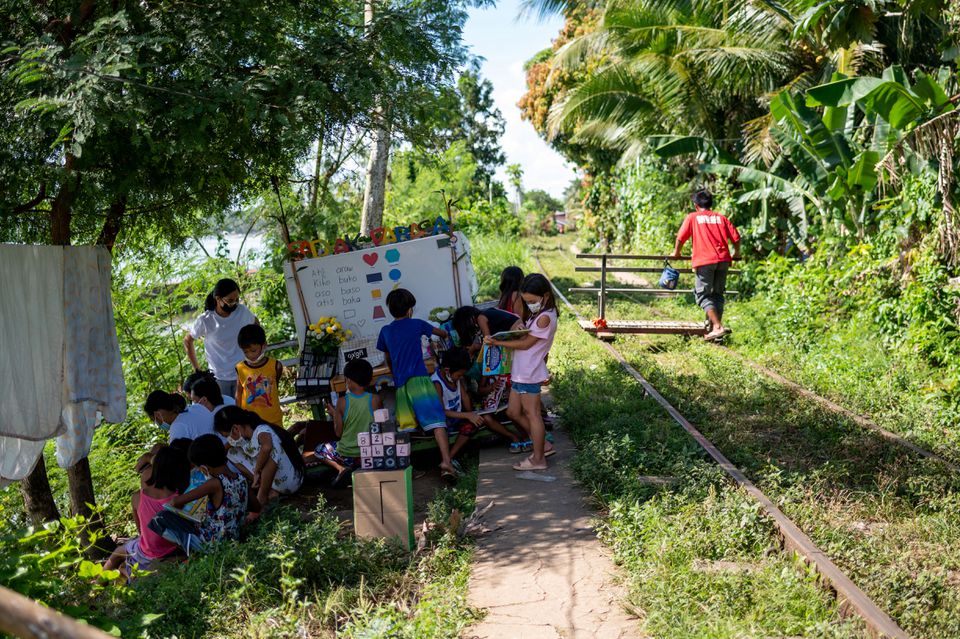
711	234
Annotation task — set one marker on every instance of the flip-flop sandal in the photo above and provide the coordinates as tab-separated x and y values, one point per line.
550	453
449	478
526	465
521	447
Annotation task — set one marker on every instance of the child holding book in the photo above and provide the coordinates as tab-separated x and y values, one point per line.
225	491
166	476
417	400
458	408
258	375
529	369
352	415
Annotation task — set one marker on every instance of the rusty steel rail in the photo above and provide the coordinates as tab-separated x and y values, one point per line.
852	599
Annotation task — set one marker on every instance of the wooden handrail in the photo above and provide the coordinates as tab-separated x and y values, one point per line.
611	256
636	269
24	617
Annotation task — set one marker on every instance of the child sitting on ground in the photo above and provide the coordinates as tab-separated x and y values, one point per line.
451	389
352	415
225	491
264	453
169	475
258	375
417	400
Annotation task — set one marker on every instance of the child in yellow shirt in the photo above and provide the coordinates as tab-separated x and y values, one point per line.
258	375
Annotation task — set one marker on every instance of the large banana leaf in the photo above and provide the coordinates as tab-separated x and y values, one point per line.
668	146
807	127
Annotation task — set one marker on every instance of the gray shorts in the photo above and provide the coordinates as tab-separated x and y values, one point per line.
228	387
710	286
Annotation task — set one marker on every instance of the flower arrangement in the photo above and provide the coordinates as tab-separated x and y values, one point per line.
326	335
600	323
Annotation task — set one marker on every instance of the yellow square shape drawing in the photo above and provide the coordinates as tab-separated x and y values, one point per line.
375	293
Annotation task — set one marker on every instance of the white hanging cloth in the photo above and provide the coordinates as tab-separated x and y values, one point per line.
58	340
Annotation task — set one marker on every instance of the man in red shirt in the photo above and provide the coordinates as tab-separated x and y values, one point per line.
712	234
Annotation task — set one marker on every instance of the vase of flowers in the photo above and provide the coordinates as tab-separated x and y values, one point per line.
319	358
326	335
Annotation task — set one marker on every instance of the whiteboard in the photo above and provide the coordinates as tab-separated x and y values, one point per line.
353	286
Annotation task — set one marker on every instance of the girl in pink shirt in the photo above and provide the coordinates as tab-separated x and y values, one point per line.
529	370
166	476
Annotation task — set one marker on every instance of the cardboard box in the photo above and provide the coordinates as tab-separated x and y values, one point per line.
383	504
374	428
378	463
363	439
366	451
389	439
377	451
376	439
390	463
403	450
366	463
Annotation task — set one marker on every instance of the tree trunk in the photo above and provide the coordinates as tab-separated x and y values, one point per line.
113	224
375	191
80	481
37	498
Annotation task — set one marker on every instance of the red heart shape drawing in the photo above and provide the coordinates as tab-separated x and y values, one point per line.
370	258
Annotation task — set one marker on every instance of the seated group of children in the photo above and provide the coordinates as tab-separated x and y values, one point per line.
232	461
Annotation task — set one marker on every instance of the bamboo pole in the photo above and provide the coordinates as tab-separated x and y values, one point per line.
23	617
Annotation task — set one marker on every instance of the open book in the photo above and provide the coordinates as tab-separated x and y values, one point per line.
183	513
508	336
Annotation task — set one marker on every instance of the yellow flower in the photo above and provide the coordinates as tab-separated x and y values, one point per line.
329	329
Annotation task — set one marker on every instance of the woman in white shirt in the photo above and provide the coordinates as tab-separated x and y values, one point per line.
218	326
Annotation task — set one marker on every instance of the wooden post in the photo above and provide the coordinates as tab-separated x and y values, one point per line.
23	617
603	286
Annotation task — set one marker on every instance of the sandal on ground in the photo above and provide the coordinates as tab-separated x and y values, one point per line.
715	334
526	464
456	466
447	477
549	453
521	447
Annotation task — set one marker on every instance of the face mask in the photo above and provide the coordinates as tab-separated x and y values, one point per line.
163	425
535	307
228	308
254	362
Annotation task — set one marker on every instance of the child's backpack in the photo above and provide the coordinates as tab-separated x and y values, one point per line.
669	277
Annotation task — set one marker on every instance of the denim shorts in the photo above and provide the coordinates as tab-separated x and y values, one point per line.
525	389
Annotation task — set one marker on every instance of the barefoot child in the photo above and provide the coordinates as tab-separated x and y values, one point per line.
417	400
166	476
529	370
264	453
225	490
451	388
352	414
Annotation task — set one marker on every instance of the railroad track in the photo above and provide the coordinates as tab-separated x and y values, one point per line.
852	599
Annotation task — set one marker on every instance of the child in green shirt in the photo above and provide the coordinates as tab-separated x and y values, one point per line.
352	414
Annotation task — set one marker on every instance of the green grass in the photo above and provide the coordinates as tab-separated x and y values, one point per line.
667	537
888	518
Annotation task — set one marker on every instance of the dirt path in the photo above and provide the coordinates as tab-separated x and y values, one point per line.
543	574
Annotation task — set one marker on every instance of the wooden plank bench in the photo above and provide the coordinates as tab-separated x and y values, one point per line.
669	327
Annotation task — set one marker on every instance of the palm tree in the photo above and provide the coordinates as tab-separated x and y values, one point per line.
689	67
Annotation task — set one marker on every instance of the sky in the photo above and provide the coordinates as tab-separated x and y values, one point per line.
506	41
